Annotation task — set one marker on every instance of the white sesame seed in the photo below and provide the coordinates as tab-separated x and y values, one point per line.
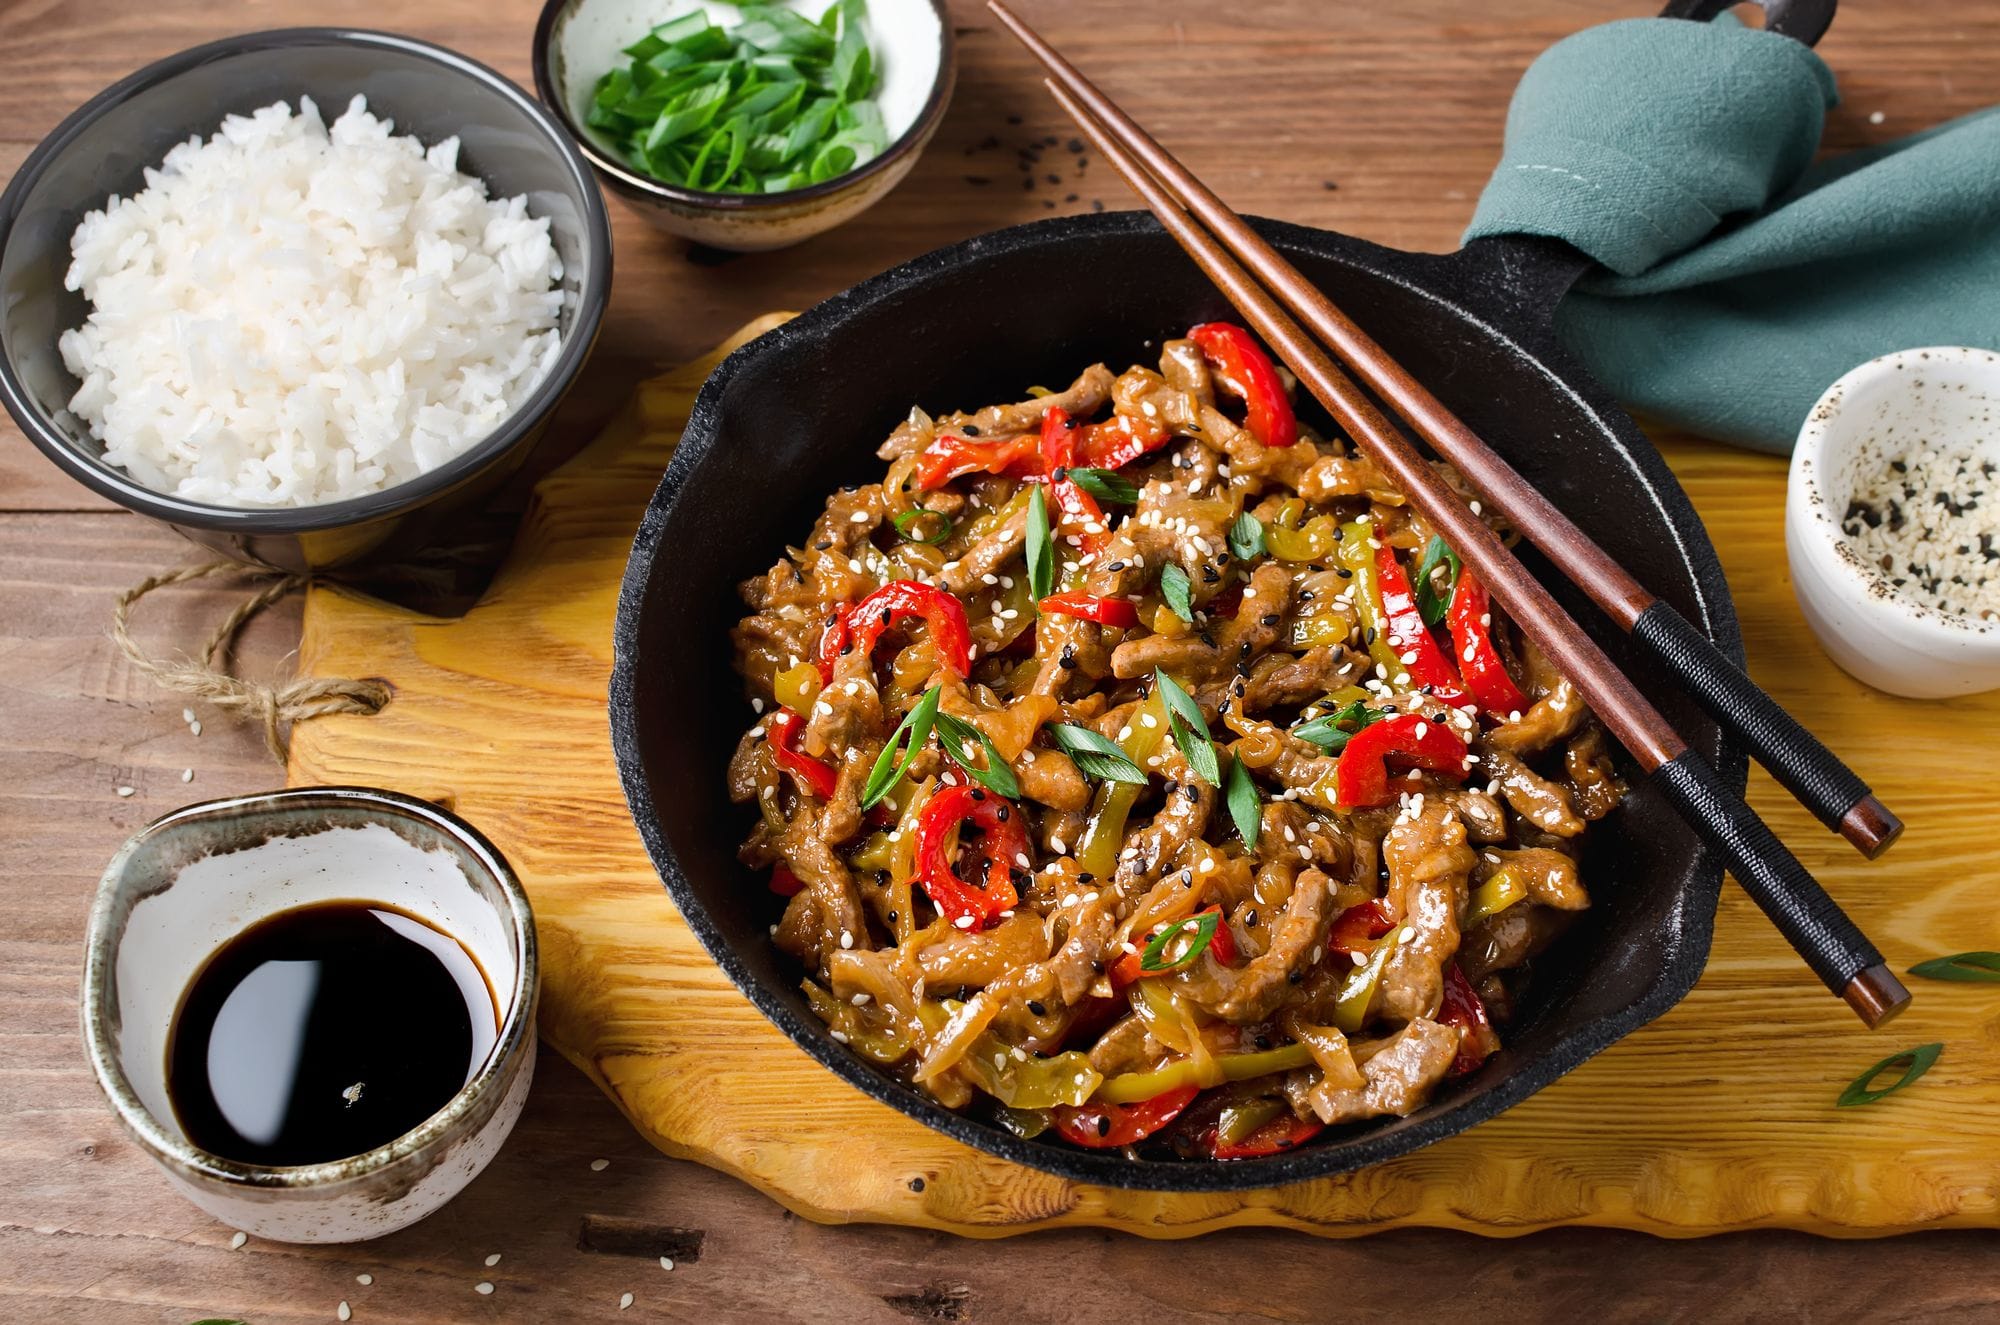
859	1000
195	726
846	940
364	1279
1207	864
483	1288
859	517
756	706
839	1037
494	1259
187	715
854	564
599	1165
126	791
666	1262
1057	845
1409	935
238	1240
343	1312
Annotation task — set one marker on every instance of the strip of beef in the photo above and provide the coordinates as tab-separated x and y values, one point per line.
967	958
987	556
1429	864
1400	1074
1535	798
1510	939
1549	876
1251	993
1594	785
1555	715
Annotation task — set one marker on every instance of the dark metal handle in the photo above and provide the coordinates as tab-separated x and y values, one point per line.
1812	922
1802	20
1834	793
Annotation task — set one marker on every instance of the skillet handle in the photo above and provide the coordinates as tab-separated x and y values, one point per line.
1804	21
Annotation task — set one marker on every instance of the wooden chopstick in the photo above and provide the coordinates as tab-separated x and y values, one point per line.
1835	794
1811	921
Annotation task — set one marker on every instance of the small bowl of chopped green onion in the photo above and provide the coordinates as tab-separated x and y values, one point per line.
747	126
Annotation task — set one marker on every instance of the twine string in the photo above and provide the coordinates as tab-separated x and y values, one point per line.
205	676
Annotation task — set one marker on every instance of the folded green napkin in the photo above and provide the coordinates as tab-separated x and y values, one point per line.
1738	278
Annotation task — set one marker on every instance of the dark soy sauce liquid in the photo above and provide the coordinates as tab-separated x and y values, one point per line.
326	1031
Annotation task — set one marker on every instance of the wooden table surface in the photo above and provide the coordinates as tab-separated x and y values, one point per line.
1380	121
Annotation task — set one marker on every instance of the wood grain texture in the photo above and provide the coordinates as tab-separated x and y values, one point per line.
1401	108
1719	1117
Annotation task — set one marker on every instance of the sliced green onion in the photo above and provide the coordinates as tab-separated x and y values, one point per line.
1430	601
1245	805
1040	548
1914	1062
1154	961
1971	967
774	103
1334	730
907	522
1106	485
1175	591
1246	537
889	770
1189	728
1096	755
956	736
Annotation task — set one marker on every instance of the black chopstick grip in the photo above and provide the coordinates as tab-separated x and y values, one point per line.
1812	922
1774	738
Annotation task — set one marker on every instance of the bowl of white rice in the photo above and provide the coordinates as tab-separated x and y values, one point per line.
300	294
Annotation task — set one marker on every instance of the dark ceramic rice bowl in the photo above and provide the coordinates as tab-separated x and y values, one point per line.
799	411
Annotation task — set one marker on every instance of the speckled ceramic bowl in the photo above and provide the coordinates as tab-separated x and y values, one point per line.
189	882
578	41
1946	398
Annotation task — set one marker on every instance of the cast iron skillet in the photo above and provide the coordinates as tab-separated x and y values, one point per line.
800	411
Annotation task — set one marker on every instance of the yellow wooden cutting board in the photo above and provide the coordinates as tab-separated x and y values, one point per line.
1718	1116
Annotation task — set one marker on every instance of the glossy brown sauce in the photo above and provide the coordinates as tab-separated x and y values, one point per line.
325	1031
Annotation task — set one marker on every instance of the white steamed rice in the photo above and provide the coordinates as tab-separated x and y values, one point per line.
290	314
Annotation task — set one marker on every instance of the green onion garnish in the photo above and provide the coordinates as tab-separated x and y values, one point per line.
1430	601
1914	1062
1106	485
775	103
1096	755
1154	959
889	770
1333	730
956	737
1245	805
907	523
1175	591
1972	967
1246	537
1040	547
1190	729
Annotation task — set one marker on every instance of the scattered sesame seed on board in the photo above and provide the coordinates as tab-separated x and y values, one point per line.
599	1165
237	1241
494	1259
364	1279
187	715
625	1301
126	791
187	775
483	1288
344	1312
195	726
666	1262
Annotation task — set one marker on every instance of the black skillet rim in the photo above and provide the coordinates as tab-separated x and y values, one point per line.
1681	967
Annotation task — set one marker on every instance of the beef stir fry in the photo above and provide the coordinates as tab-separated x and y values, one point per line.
1140	768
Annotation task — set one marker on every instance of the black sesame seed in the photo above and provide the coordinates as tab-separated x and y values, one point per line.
1036	1008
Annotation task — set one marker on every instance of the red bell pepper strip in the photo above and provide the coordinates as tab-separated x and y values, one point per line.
1356	929
1403	627
1120	440
1361	778
818	776
1462	1008
950	456
1118	612
1470	620
1275	1137
861	625
1079	512
1106	1126
1241	365
1126	970
784	882
1004	848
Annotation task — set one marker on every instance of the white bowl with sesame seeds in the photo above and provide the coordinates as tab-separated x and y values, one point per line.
1892	522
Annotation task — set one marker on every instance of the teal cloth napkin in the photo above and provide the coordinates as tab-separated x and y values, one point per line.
1738	278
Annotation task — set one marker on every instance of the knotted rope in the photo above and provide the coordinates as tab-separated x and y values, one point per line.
205	676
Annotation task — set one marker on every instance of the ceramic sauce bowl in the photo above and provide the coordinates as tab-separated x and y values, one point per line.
1945	399
578	41
190	882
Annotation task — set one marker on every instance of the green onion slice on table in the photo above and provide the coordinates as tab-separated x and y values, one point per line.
775	103
1913	1062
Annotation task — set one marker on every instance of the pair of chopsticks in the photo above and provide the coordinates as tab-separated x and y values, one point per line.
1811	921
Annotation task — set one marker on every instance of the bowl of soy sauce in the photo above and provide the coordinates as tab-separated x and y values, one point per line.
314	1008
